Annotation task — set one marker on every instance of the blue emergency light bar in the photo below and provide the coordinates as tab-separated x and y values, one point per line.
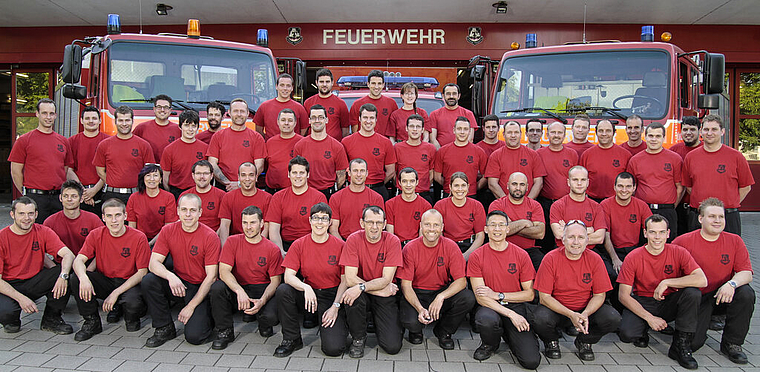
530	40
647	33
390	81
262	38
114	24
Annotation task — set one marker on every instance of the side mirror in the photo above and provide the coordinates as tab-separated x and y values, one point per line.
72	64
478	72
708	101
301	74
715	73
74	91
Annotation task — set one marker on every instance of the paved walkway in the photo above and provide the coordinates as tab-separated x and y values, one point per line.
117	350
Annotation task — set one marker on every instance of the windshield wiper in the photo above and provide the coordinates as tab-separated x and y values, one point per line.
613	112
177	103
545	111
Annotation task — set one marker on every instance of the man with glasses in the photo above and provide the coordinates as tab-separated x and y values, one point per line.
325	154
370	259
158	132
501	276
336	112
578	206
534	131
211	197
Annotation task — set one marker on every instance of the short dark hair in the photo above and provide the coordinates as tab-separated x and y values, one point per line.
461	118
321	207
710	202
324	72
202	163
253	210
298	160
147	169
45	100
450	85
656	218
73	184
655	125
162	97
416	117
715	118
491	117
357	161
497	212
374	209
189	116
286	111
375	73
534	120
409	170
249	163
691	120
113	202
238	100
318	107
581	117
217	105
625	176
368	107
124	109
458	176
89	108
25	200
284	75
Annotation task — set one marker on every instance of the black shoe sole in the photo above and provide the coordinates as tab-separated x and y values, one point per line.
284	355
672	355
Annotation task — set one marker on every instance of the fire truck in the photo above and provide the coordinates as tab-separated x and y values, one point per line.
131	69
606	80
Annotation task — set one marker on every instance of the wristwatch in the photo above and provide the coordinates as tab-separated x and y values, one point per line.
362	287
501	296
337	305
64	276
732	283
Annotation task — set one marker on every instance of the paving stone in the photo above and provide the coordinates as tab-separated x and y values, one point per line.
340	365
8	355
654	369
101	364
135	366
170	367
188	347
258	349
68	349
543	367
629	358
209	369
457	356
67	361
269	362
99	351
201	359
138	355
400	366
600	359
233	348
375	366
31	369
10	343
447	366
162	356
587	368
241	361
36	335
30	359
304	364
403	355
616	368
129	341
102	339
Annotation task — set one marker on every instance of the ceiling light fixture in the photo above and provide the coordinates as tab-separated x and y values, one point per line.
163	9
501	7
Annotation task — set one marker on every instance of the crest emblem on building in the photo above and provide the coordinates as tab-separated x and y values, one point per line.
294	35
474	35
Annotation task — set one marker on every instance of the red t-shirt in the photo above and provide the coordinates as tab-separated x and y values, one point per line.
233	148
385	106
567	209
23	256
347	207
279	153
159	136
603	166
191	252
376	150
151	213
211	202
419	158
529	210
44	156
460	223
405	216
234	202
490	148
505	161
117	257
557	164
205	136
73	231
292	211
625	223
469	159
178	158
397	122
680	148
432	268
634	150
317	262
720	259
443	121
252	263
579	148
123	159
83	151
337	113
370	258
717	174
502	271
572	283
325	157
656	176
644	271
266	116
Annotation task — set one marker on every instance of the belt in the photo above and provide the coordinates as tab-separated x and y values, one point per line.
661	206
41	192
468	241
727	210
88	186
376	184
731	210
405	242
121	190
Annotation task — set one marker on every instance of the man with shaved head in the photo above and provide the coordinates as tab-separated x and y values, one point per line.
514	158
236	200
604	162
433	283
526	218
578	206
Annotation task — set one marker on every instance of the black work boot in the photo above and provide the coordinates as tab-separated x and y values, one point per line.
14	327
287	347
132	322
115	314
734	352
91	327
223	338
680	350
161	335
55	324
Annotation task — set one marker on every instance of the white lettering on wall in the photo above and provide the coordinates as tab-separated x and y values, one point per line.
370	36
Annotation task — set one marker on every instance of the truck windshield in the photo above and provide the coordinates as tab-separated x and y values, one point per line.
634	81
196	74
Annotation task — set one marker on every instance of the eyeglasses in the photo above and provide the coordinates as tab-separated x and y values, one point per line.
373	223
162	107
574	222
202	173
497	225
320	219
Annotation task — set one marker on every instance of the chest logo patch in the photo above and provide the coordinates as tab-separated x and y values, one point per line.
721	168
724	259
246	143
417	216
162	210
381	257
332	260
523	162
589	217
171	139
125	252
586	278
424	157
194	250
472	218
331	110
376	151
84	231
199	155
328	154
668	167
512	268
470	160
633	218
528	215
616	163
210	206
135	153
439	263
262	261
60	148
303	211
565	163
35	246
385	112
668	269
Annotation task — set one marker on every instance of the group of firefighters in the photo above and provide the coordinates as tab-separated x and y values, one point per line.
571	237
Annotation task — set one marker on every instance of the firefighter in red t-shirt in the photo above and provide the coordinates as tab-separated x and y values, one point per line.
238	199
433	284
511	158
318	290
725	261
122	255
370	259
83	146
268	112
690	127
405	211
280	151
211	197
572	284
249	271
416	154
442	120
24	278
461	156
633	127
214	115
159	132
578	206
72	224
534	130
150	208
179	157
604	161
502	277
463	217
385	105
326	155
194	249
580	128
336	112
347	204
660	282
